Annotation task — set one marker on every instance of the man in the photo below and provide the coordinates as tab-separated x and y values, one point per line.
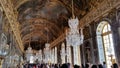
104	65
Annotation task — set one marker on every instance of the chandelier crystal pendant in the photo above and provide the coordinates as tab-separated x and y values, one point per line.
47	52
29	53
4	47
73	36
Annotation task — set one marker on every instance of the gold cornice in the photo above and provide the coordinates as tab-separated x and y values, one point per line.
105	7
57	41
12	18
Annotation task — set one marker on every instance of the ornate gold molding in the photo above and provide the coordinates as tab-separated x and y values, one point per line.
105	7
12	18
58	40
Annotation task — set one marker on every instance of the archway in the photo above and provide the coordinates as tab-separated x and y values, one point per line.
105	43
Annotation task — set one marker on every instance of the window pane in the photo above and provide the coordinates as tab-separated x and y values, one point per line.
105	29
109	29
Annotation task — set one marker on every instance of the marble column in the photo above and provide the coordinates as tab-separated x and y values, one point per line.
1	62
76	53
119	31
79	56
56	55
83	54
52	56
116	38
63	53
69	58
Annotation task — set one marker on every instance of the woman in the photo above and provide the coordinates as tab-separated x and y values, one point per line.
100	66
94	66
115	65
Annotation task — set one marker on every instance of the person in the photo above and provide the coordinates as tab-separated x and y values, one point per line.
100	66
76	66
64	66
104	65
18	66
34	67
94	66
86	65
115	65
56	66
52	65
83	66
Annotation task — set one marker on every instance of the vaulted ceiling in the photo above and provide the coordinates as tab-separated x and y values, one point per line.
44	21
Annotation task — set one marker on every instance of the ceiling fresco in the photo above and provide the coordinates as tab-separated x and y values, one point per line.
44	21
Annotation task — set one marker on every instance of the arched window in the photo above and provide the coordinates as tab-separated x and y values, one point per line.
108	45
105	43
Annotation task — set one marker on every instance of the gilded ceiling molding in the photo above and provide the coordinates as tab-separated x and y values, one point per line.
39	28
58	40
9	12
40	21
27	37
76	11
105	7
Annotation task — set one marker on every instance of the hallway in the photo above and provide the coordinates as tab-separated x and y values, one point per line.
59	33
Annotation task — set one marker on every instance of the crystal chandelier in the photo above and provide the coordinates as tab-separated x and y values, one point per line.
39	56
4	47
47	50
47	53
32	57
73	37
29	54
